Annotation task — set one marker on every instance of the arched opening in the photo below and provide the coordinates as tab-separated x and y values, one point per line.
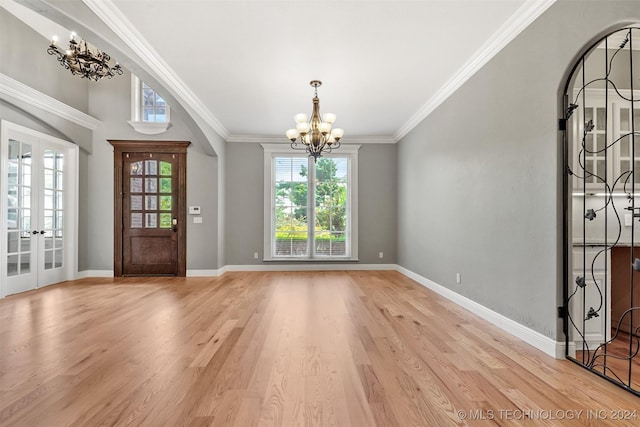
602	209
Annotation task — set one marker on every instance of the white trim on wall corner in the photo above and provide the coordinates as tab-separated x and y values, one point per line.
524	16
536	339
13	90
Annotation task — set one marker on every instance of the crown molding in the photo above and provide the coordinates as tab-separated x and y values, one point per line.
109	13
524	16
258	139
13	90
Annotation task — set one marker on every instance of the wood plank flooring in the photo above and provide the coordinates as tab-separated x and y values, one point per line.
357	348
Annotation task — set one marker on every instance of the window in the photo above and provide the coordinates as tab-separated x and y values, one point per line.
150	114
310	208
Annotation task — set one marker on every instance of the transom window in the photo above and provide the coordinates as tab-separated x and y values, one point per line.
150	113
152	107
310	208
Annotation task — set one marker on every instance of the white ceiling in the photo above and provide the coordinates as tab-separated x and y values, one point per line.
384	64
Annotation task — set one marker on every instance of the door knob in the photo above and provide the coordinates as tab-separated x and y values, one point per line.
174	222
41	231
34	232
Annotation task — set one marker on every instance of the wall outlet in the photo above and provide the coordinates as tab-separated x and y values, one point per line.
256	255
380	255
197	220
458	278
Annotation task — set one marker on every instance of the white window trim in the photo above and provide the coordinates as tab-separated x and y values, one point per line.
136	122
274	150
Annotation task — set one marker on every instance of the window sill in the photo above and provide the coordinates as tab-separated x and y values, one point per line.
150	128
312	260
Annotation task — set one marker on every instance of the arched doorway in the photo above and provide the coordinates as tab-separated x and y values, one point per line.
602	209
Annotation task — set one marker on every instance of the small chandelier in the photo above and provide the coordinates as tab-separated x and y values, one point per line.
316	135
92	64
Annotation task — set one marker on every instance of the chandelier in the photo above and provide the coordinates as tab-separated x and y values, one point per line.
88	63
315	136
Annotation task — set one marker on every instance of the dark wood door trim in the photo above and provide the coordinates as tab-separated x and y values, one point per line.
130	146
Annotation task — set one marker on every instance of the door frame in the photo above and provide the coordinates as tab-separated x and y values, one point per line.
120	147
71	151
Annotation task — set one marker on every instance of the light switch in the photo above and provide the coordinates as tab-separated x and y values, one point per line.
197	220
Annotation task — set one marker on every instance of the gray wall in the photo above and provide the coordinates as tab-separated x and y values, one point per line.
479	185
28	64
377	183
24	57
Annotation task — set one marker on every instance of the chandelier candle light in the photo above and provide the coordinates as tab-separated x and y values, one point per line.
92	64
316	135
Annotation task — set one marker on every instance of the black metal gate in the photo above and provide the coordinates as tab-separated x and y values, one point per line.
601	126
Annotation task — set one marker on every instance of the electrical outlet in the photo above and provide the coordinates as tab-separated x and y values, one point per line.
458	278
380	255
256	255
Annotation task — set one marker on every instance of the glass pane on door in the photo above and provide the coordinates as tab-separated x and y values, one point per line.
19	248
151	188
52	227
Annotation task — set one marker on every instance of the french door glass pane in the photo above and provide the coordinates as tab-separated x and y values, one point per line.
53	212
12	242
12	265
48	260
12	172
58	257
25	263
19	193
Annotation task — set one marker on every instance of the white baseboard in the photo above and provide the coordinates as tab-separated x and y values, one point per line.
206	273
94	273
190	273
534	338
309	267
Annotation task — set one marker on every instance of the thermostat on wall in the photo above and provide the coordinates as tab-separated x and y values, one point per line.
194	210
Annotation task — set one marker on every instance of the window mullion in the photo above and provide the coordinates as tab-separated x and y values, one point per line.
311	209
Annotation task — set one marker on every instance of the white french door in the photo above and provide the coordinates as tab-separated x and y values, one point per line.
39	206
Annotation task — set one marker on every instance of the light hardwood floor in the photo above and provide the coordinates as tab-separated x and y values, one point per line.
355	348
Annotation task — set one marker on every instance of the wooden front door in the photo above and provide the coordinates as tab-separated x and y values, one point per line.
150	232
